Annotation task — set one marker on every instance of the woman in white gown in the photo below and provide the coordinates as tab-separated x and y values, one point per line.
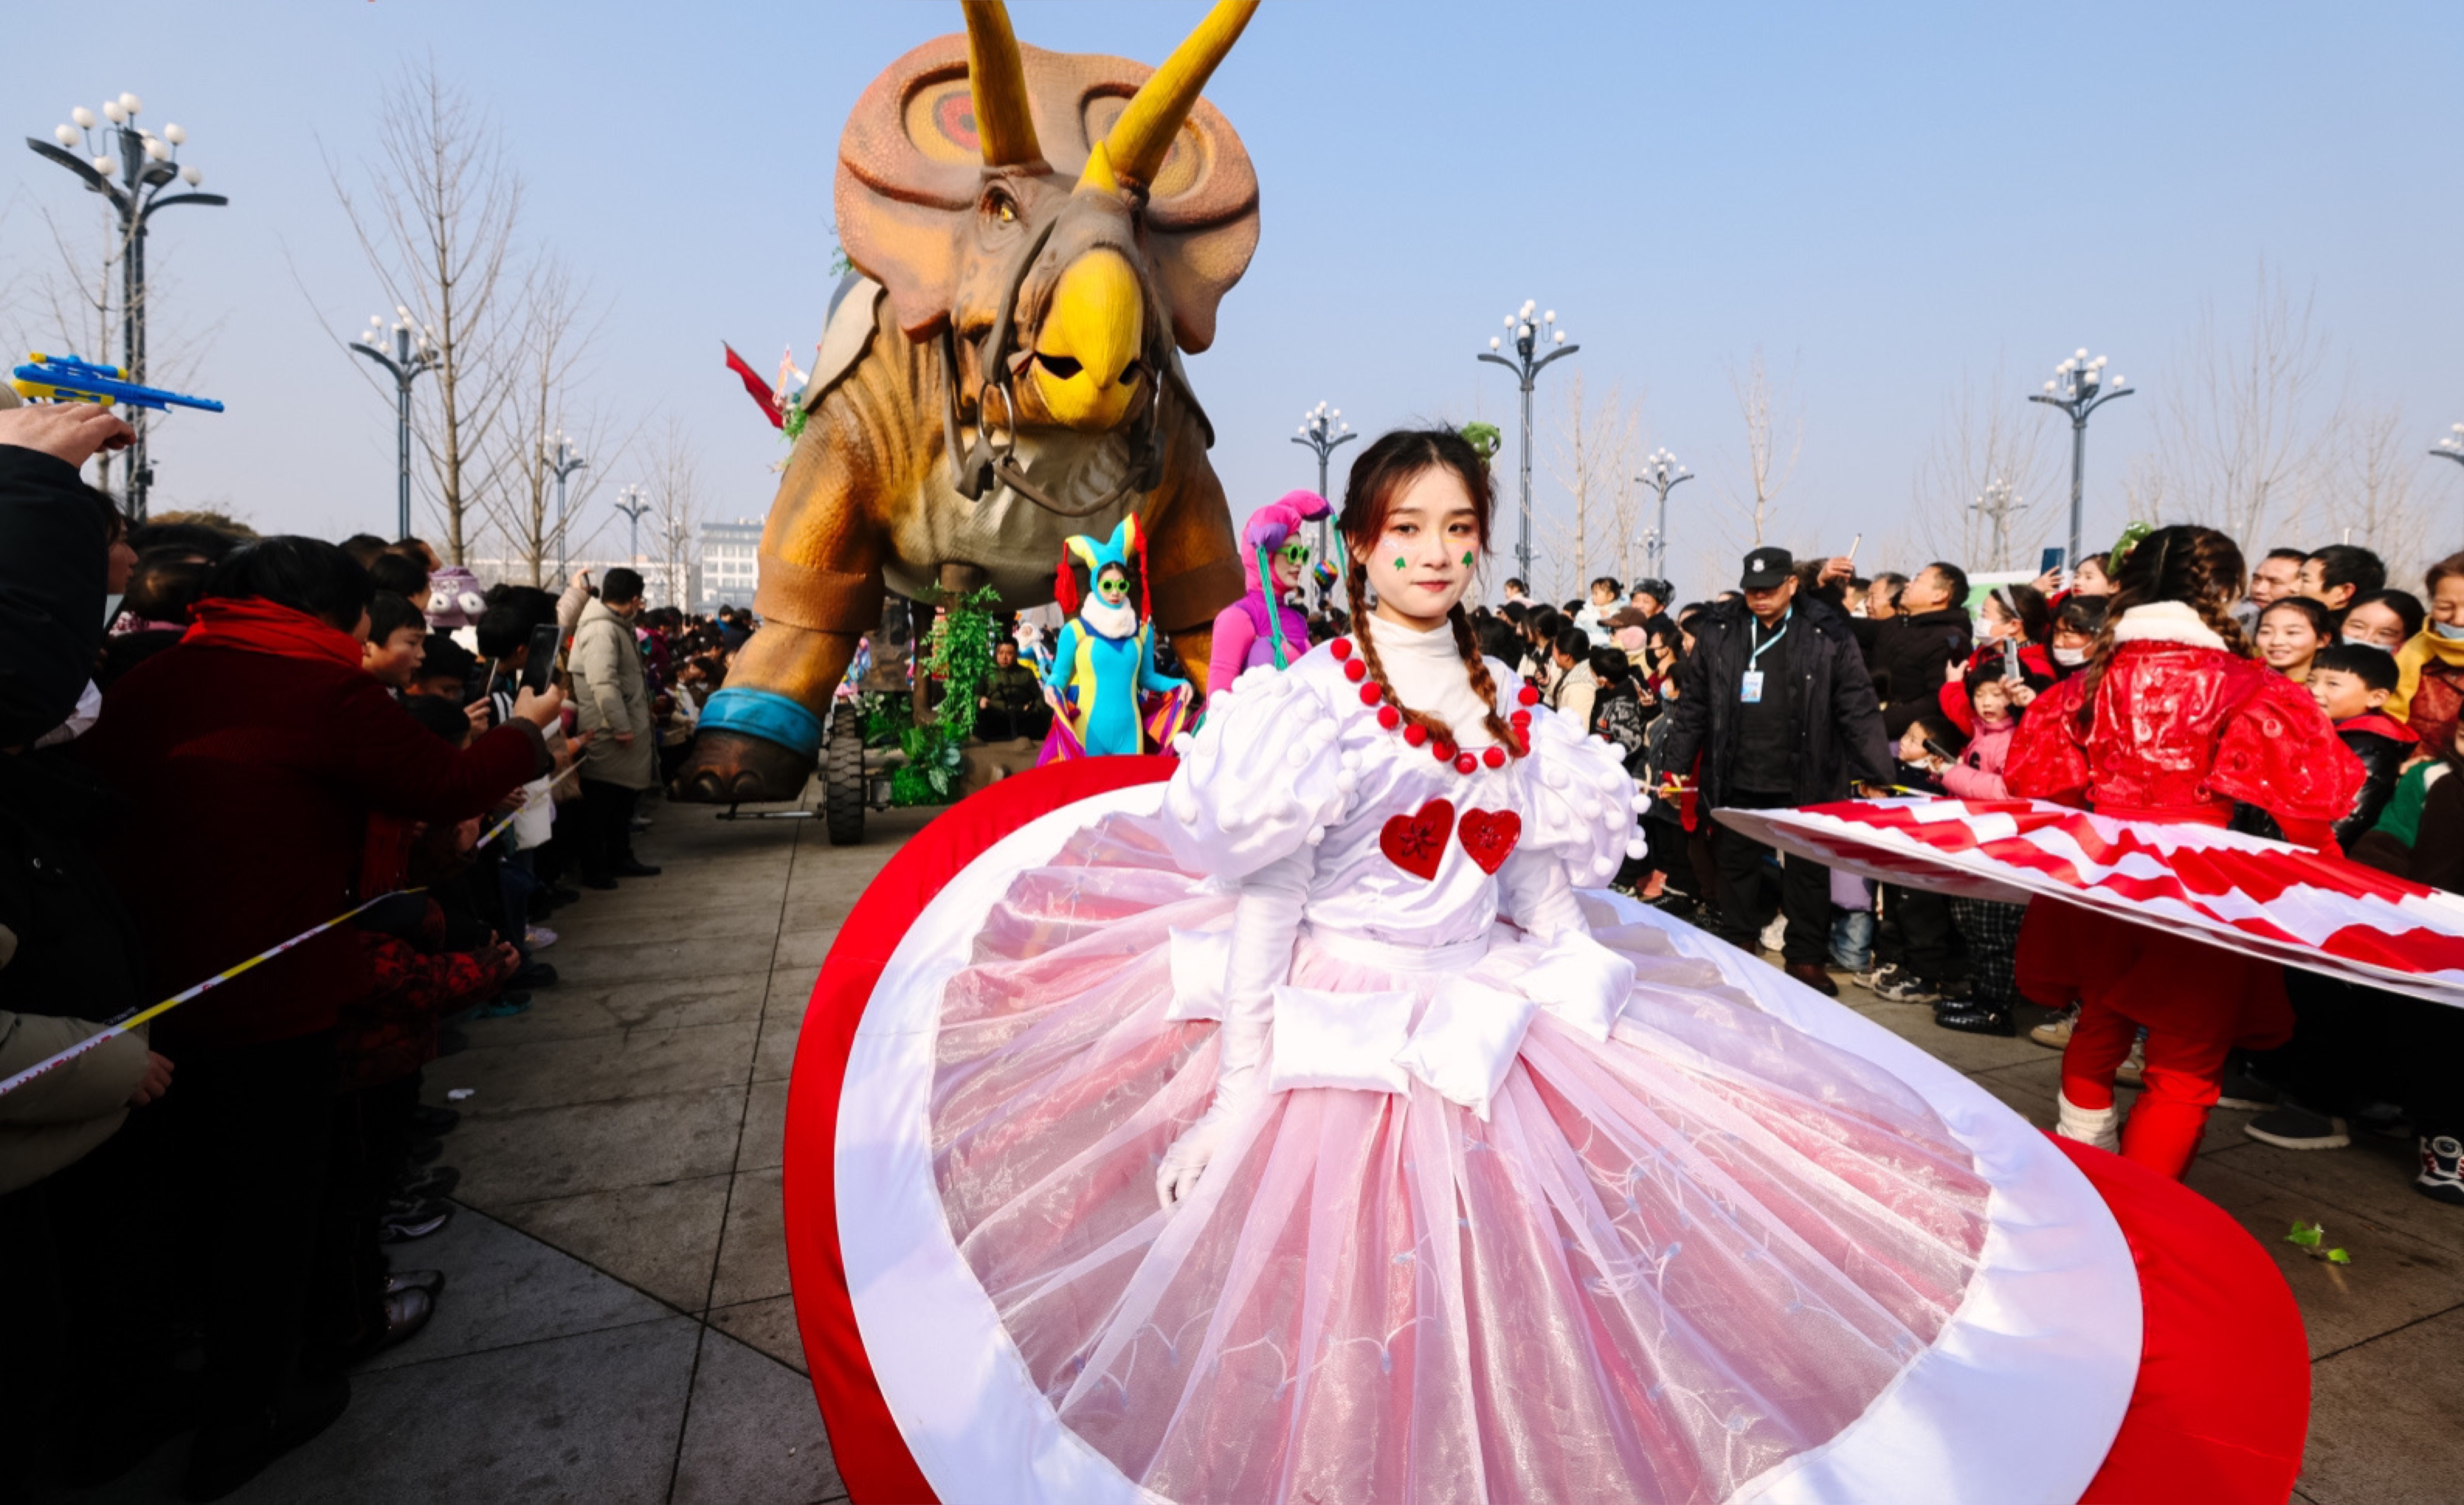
1297	1131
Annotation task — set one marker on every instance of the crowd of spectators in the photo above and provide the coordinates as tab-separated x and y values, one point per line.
214	746
1916	683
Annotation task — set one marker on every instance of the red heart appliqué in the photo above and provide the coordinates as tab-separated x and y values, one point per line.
1489	836
1416	842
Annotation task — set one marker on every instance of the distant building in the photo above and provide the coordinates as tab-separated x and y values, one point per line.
729	554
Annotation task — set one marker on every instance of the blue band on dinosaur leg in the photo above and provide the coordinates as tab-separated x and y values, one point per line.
760	713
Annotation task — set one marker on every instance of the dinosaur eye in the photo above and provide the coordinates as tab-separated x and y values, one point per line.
1001	206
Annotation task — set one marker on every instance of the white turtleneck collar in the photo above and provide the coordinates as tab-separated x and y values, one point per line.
1427	671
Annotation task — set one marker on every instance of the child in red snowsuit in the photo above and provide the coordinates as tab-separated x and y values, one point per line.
2172	721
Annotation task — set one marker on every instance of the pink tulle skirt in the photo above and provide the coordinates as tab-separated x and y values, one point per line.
1662	1265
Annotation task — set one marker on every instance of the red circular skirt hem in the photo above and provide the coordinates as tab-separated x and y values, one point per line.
2219	1412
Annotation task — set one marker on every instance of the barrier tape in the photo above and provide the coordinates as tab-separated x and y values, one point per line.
121	1025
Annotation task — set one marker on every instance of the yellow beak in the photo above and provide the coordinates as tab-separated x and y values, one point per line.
1089	339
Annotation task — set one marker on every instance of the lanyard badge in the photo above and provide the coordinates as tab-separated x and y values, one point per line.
1750	684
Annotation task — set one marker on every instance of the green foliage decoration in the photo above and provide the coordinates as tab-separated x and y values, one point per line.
961	656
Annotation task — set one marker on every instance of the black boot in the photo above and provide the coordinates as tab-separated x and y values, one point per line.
1976	1016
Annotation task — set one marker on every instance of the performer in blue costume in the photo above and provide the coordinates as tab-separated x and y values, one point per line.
1104	654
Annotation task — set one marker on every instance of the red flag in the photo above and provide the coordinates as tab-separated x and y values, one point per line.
754	384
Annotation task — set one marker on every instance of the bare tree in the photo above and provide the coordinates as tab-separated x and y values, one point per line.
676	507
1589	460
1774	437
551	340
2375	505
438	225
1982	488
2249	428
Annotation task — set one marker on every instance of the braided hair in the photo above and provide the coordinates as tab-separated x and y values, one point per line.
1381	473
2199	567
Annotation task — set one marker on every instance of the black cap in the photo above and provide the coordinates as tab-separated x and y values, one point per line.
1767	569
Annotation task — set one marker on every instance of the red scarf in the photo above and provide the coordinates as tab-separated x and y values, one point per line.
254	624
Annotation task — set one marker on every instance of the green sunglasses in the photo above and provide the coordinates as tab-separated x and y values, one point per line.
1295	553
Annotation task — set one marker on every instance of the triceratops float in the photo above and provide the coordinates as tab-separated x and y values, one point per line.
1037	234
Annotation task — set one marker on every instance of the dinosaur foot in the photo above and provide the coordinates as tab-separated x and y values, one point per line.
732	767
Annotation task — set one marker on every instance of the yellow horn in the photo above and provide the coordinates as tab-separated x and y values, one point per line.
1140	138
999	82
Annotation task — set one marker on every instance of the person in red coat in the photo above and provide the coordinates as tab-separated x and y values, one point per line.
251	756
2171	721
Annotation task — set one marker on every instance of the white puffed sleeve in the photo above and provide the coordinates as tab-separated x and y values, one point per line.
1259	781
1578	823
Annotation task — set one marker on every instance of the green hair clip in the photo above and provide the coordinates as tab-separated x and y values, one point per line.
2122	545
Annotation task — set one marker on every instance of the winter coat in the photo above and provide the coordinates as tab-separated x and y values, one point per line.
1572	695
2037	671
1909	656
55	1120
1618	718
70	960
2430	847
250	778
2181	730
1835	726
53	558
1977	775
612	696
1016	688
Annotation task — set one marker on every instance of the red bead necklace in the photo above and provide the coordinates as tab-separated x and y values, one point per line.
1391	716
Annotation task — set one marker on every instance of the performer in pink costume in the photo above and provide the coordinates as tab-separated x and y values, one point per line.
1261	627
1297	1131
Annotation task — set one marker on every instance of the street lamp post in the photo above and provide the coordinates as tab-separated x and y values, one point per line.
1661	472
144	165
2078	388
412	355
635	504
1324	431
2451	446
1999	499
561	461
1526	333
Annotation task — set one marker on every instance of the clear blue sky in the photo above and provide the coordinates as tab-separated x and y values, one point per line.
1879	197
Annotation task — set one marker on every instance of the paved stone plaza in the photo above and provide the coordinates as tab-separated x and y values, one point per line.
618	1327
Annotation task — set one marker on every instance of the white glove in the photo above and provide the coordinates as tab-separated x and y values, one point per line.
1264	928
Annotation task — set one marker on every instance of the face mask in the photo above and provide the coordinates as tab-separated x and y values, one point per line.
2070	658
2451	630
111	610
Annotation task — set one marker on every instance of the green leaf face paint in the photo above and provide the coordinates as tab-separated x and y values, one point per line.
1399	561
